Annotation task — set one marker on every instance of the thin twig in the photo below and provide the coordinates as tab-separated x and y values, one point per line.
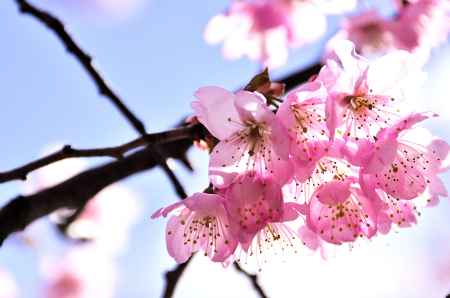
85	60
172	278
253	279
65	223
189	132
176	184
57	27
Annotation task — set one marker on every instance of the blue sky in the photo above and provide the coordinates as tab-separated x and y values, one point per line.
155	61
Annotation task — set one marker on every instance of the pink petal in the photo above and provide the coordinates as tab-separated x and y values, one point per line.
174	240
440	151
386	74
280	140
165	211
407	123
333	115
232	156
226	163
309	238
215	109
341	220
291	211
251	106
333	193
384	223
252	202
383	154
217	29
202	225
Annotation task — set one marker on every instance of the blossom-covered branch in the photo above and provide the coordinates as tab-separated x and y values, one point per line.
333	161
43	204
115	152
19	213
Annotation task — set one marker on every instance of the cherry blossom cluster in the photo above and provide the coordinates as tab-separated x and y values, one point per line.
264	30
417	26
338	159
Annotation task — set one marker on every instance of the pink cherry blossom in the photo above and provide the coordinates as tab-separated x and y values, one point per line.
369	31
389	210
416	27
436	188
276	238
98	221
336	161
402	168
362	94
312	241
251	136
302	113
252	202
8	287
67	284
80	273
264	29
339	212
261	219
199	222
317	163
396	168
309	238
422	24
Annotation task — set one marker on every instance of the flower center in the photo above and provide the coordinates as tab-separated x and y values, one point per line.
301	118
255	134
358	103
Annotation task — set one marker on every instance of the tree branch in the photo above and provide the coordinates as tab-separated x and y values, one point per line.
85	60
253	279
72	193
172	278
194	131
57	27
301	76
176	184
